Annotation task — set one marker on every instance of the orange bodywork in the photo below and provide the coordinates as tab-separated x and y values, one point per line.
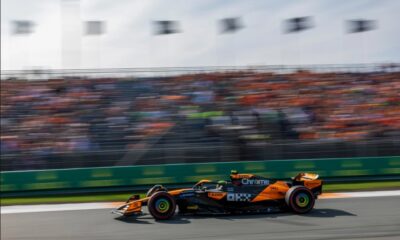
178	191
310	180
136	205
240	176
272	192
310	184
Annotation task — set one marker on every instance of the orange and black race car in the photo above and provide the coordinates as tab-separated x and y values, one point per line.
243	193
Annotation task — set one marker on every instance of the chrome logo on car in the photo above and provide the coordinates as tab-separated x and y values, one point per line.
246	181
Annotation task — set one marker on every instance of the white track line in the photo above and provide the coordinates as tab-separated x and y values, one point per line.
373	194
52	207
88	206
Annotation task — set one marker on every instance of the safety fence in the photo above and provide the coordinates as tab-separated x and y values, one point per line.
173	174
173	151
44	74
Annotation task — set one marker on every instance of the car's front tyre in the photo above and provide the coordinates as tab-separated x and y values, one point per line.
161	206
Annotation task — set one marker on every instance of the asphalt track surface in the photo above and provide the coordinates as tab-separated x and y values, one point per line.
354	218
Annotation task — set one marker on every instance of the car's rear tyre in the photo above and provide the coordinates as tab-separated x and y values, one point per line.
300	199
161	206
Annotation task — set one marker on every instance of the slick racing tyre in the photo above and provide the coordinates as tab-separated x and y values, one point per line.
300	199
161	206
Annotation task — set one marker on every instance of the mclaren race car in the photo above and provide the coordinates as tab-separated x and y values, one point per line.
243	193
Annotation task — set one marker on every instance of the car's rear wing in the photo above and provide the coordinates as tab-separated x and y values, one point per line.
306	176
310	181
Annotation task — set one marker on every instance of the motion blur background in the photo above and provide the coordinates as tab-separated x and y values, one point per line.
104	98
106	83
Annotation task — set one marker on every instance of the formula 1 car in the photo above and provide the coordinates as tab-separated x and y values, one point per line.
243	193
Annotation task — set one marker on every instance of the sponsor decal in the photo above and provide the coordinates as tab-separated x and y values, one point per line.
186	195
192	207
216	194
238	197
246	181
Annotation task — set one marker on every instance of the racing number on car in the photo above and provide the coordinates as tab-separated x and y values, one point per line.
238	197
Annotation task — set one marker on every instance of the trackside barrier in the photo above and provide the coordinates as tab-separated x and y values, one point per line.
134	176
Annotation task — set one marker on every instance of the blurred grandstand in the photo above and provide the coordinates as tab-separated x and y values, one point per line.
85	118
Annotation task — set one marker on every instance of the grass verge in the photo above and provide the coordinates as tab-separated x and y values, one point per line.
117	197
361	186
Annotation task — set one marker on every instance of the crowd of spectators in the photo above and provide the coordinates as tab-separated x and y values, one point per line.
73	115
